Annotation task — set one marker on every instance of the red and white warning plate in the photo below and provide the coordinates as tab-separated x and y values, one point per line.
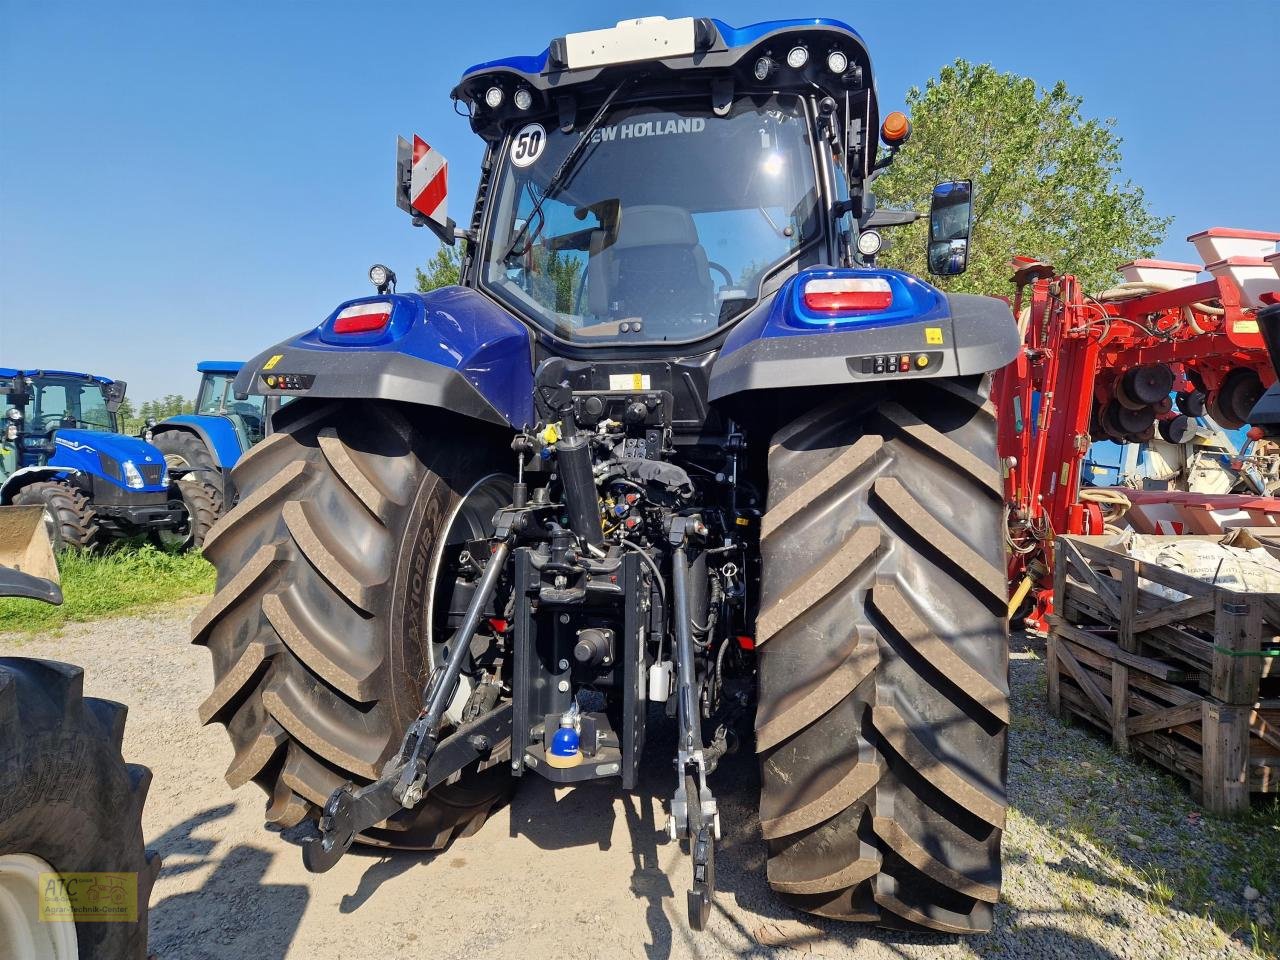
429	182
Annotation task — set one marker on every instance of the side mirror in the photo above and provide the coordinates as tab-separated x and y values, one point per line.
114	394
950	223
422	187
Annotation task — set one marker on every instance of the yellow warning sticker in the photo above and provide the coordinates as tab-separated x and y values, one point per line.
1245	326
933	336
270	364
628	381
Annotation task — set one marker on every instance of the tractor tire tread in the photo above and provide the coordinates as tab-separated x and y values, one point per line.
67	795
75	522
309	682
883	661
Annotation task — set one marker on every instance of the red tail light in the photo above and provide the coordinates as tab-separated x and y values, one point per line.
848	294
363	318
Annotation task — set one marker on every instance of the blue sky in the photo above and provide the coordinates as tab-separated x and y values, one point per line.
192	180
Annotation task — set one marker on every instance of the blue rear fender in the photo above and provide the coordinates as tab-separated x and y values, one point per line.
215	432
922	333
450	348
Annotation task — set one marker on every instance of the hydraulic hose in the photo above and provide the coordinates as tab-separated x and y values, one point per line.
1113	503
1127	291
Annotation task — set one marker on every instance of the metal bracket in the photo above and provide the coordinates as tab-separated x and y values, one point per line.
348	811
695	818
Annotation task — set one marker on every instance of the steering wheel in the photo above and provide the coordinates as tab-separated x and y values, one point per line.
728	277
49	421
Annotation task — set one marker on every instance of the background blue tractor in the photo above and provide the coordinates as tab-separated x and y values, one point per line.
61	450
674	444
206	444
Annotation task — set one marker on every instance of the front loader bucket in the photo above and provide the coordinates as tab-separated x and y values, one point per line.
27	565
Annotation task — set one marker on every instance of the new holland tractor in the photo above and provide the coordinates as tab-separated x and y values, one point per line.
204	445
61	450
672	451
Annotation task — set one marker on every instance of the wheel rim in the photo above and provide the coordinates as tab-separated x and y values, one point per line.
23	935
175	539
472	519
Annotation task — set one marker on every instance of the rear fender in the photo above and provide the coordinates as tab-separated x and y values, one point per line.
218	434
450	348
781	343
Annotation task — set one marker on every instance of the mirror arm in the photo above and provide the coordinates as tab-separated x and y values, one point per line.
885	160
446	233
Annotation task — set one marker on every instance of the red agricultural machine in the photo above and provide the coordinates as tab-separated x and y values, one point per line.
1138	363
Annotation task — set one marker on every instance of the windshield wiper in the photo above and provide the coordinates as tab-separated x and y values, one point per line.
562	173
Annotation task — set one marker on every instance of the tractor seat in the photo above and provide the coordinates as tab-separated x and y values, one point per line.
655	270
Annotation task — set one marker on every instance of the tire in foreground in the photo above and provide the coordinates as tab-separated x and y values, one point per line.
884	660
68	803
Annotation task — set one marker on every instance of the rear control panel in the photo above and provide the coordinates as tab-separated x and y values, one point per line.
288	381
896	364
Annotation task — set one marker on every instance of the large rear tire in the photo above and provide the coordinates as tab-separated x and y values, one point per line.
326	624
69	516
884	660
68	803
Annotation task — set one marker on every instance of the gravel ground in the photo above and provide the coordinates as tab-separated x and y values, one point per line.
1103	858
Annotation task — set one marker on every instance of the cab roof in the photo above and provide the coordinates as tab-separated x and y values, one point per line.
9	372
219	366
711	58
734	38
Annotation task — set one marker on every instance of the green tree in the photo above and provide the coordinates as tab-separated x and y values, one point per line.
1046	180
442	269
133	420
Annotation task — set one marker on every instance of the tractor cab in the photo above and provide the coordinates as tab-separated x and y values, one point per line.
215	398
72	401
655	182
43	405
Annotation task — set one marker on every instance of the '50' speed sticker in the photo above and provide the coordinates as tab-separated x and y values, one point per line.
527	144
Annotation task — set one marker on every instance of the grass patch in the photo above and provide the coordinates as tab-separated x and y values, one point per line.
124	579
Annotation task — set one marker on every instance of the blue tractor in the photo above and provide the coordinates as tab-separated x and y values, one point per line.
204	445
61	450
674	445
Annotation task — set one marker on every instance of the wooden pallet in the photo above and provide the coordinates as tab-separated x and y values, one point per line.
1190	685
1226	643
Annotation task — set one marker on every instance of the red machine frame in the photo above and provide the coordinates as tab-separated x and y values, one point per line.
1075	350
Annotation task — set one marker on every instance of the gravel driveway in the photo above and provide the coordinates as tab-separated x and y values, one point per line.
1102	858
